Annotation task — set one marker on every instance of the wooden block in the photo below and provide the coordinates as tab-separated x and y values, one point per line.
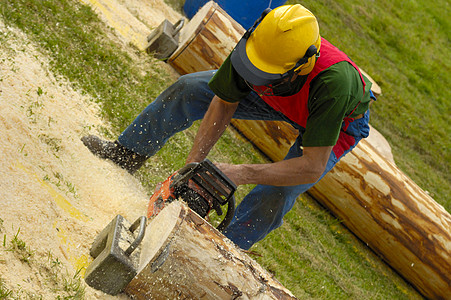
184	257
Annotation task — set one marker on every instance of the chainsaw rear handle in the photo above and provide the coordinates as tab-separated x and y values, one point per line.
229	214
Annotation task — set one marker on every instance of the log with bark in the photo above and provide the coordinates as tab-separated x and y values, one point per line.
184	257
394	216
375	200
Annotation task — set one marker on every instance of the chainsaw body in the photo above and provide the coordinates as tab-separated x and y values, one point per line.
202	186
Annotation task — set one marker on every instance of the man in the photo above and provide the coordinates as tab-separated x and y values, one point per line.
280	70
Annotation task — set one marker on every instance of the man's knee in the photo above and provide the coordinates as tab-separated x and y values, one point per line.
189	86
200	79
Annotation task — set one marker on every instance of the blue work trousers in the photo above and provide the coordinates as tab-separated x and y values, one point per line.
186	101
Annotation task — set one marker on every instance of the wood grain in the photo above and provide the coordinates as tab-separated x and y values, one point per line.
187	258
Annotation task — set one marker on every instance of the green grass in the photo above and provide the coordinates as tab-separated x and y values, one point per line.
312	254
5	293
20	249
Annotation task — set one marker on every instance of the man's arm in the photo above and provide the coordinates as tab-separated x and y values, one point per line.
300	170
213	125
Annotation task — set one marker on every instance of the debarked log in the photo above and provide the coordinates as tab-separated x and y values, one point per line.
381	205
184	257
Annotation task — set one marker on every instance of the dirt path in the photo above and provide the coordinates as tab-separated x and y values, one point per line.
55	195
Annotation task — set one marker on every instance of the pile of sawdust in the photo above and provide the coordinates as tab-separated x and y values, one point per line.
54	194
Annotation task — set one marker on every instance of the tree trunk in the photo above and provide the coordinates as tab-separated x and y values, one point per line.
184	257
374	199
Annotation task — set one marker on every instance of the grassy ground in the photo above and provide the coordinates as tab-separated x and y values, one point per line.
312	254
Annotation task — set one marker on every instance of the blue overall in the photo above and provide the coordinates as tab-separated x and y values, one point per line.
186	101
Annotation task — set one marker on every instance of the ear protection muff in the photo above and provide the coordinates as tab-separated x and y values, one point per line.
311	51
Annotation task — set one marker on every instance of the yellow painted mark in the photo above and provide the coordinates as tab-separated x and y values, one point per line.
62	202
66	243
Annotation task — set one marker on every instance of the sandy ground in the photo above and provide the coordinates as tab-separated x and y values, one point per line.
54	194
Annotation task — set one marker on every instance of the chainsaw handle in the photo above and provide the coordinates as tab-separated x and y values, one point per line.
229	215
189	171
227	182
188	167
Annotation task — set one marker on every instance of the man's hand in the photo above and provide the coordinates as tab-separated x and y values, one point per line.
231	171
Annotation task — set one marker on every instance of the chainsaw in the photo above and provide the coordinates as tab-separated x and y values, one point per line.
202	186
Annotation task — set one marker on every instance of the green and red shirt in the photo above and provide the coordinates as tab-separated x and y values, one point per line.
335	89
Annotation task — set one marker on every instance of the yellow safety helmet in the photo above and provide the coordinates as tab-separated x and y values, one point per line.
285	41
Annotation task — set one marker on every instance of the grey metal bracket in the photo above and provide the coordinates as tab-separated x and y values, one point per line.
116	255
164	40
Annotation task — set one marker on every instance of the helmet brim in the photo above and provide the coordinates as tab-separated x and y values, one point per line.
249	72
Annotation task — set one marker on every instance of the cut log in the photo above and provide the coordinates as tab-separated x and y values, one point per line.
378	141
375	200
206	40
184	257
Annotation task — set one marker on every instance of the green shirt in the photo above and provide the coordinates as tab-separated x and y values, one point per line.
334	94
